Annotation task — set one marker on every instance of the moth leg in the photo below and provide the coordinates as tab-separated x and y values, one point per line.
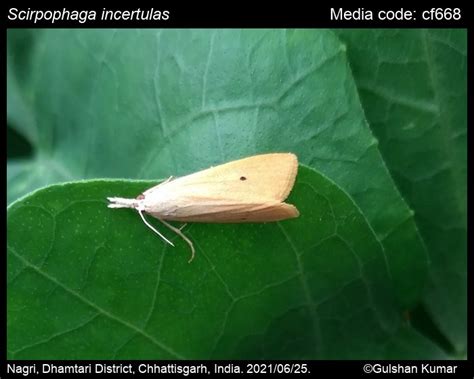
152	228
167	180
180	233
182	226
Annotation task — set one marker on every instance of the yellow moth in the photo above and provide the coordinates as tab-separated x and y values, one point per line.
251	189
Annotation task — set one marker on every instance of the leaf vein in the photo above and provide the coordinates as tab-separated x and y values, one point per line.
97	307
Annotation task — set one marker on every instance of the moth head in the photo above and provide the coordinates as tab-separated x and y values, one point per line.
140	203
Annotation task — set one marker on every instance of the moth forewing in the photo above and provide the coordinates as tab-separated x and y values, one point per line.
251	180
187	208
233	213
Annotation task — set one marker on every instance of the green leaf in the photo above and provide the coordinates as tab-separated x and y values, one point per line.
415	99
145	104
86	281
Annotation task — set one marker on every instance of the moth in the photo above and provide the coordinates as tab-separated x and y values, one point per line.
251	189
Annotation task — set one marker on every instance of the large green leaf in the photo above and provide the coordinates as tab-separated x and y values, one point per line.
93	282
416	102
144	104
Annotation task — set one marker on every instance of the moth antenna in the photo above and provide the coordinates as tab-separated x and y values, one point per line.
152	228
180	233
